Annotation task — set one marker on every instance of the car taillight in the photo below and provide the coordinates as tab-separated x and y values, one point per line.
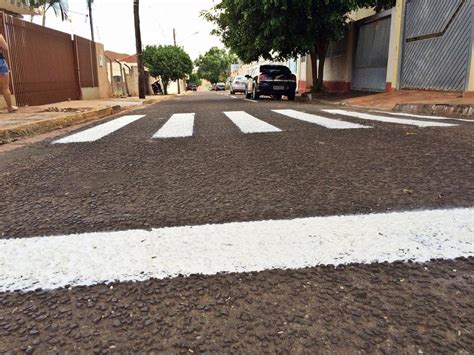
262	77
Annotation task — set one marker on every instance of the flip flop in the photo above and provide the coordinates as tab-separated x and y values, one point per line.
13	109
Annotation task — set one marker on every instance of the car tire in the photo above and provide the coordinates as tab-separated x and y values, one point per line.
255	95
291	96
277	97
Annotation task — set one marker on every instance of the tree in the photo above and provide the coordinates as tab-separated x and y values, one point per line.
283	29
60	8
195	79
214	65
138	42
170	63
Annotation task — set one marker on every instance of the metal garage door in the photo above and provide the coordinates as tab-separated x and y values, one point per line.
437	44
371	56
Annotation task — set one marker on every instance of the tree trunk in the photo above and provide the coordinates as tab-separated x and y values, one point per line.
165	86
138	40
44	15
314	68
321	49
89	3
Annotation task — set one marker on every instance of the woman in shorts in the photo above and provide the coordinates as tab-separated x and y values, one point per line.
5	75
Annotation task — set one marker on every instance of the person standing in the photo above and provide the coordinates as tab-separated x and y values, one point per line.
5	75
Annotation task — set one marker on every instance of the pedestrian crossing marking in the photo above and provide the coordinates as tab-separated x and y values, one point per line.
369	117
250	124
180	125
95	133
319	120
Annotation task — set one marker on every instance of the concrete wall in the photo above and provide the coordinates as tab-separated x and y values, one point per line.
470	85
105	87
104	90
395	48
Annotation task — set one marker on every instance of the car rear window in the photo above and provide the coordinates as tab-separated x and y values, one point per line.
275	70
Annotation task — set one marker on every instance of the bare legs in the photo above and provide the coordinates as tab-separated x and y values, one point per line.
5	90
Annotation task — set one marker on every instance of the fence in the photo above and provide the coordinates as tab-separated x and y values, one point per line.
47	65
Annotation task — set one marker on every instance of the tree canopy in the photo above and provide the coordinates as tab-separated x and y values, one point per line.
215	64
283	29
170	63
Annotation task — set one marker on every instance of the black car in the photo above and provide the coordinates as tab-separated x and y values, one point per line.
191	87
272	80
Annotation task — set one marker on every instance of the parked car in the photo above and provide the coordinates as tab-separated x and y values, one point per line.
239	84
219	87
191	87
272	80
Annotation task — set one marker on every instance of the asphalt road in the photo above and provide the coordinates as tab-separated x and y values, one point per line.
239	161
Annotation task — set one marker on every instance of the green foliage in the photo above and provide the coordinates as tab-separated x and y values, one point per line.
215	65
168	62
283	29
195	79
60	7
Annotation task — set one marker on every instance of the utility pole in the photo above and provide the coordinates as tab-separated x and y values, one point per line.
138	40
174	38
89	4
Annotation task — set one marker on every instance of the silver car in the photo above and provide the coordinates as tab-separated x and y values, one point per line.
239	84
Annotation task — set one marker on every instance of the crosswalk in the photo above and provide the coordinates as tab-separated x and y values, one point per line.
370	117
179	126
182	125
250	124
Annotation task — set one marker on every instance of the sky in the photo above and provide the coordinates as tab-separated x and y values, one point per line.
114	26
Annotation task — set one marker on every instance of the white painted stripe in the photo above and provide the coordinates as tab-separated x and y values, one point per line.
415	116
234	97
254	101
427	117
88	259
250	124
179	125
368	117
319	120
100	131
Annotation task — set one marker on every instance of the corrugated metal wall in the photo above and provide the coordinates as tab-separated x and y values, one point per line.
437	44
42	62
371	56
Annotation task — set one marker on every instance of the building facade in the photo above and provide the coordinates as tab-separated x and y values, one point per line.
418	44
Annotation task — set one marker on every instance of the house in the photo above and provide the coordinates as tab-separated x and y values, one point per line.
418	44
17	8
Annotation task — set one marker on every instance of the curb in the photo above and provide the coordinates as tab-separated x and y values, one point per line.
24	130
28	129
437	109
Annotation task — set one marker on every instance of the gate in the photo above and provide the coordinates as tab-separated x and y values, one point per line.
42	62
437	44
371	55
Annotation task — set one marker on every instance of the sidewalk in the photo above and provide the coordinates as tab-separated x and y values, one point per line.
409	101
28	121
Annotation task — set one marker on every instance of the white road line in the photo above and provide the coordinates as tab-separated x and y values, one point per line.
100	131
254	101
366	116
180	125
250	124
423	116
413	115
137	255
234	97
319	120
